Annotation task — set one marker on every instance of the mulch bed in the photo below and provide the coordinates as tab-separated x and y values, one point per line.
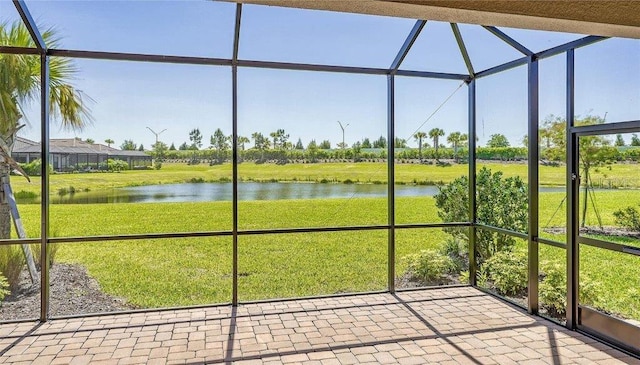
72	291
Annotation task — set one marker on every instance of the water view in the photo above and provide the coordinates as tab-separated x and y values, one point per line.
198	192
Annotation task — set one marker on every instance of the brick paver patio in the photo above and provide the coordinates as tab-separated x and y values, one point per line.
444	326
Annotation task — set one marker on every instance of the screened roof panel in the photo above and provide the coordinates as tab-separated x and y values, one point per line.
485	49
613	92
183	28
320	37
435	50
539	40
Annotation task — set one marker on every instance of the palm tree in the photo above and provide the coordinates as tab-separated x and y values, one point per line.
19	85
109	142
241	142
457	138
435	134
419	136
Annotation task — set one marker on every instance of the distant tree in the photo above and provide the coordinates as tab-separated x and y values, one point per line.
400	143
172	147
159	150
109	142
595	151
312	150
366	143
282	138
260	143
299	145
274	135
456	139
220	143
141	148
619	140
635	141
90	141
196	139
356	149
419	136
498	140
435	135
242	140
325	145
128	145
380	143
257	139
183	147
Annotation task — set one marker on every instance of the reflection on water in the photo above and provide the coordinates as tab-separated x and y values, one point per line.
190	192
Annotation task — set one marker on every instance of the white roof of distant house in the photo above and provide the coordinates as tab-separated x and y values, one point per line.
72	145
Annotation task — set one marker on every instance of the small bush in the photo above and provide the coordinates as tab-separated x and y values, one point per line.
552	291
506	272
22	194
11	263
428	265
4	288
458	251
628	217
33	168
117	165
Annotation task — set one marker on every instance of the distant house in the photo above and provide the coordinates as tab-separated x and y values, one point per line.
72	154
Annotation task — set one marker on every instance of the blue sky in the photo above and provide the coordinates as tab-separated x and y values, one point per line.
129	96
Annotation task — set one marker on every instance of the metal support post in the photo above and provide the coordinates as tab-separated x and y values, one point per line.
533	175
44	187
472	181
391	251
573	186
234	152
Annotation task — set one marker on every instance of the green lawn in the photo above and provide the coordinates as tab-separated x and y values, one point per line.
186	271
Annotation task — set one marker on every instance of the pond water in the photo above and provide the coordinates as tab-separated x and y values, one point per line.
190	192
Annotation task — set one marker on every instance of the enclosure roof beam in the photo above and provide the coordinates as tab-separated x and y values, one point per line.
236	34
463	48
510	41
31	25
571	45
406	47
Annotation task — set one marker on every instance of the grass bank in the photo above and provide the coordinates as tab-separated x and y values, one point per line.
362	172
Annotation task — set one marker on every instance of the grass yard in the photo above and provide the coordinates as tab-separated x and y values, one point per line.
189	271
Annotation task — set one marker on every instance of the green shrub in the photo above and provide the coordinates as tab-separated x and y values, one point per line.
506	272
117	165
11	264
428	265
552	291
4	288
33	168
500	203
628	217
458	251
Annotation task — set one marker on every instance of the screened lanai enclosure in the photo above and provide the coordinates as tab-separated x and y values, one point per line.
325	154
